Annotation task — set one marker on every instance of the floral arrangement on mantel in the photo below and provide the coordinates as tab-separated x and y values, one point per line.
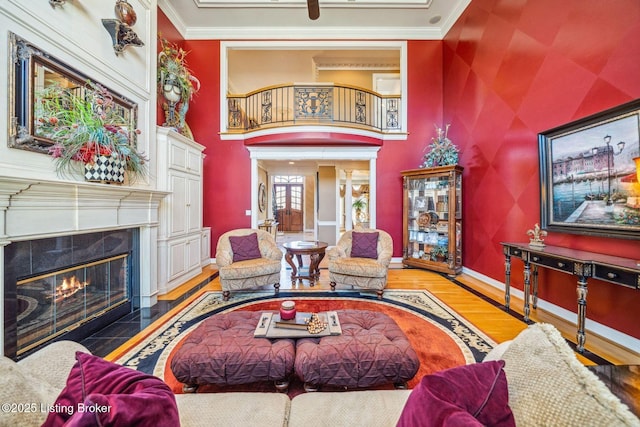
176	85
442	151
87	126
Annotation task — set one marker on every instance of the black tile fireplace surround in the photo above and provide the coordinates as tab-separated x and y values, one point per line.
36	287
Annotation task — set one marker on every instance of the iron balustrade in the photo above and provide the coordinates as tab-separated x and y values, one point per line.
314	104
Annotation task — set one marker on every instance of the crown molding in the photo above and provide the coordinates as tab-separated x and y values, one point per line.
304	33
396	4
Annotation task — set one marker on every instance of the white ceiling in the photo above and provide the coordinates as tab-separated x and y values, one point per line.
288	19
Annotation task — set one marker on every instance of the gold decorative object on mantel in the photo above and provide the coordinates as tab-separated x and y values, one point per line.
536	236
120	29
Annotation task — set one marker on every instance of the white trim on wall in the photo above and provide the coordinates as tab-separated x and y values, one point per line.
225	46
369	154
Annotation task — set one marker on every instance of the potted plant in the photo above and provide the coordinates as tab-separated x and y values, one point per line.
442	151
176	85
360	205
439	253
87	126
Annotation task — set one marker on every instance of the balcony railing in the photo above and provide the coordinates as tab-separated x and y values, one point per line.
314	104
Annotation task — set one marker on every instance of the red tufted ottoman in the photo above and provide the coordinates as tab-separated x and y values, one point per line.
372	350
223	351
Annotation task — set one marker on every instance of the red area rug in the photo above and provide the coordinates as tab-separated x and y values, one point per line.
441	338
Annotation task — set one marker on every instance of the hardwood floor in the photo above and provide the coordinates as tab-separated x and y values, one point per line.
479	303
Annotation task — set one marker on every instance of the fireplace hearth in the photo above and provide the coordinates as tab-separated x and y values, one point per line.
67	287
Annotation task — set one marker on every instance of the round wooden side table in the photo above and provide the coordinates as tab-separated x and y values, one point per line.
314	249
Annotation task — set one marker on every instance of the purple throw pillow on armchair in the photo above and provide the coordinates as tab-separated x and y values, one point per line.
245	247
470	395
364	245
101	393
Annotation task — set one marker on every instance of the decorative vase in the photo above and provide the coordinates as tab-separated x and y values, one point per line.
125	13
106	169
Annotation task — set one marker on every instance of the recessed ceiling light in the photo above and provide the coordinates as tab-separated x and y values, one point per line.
435	19
292	163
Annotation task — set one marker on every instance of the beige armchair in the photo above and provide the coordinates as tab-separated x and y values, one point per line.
368	273
250	273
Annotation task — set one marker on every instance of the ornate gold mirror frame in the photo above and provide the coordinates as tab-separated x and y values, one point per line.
33	71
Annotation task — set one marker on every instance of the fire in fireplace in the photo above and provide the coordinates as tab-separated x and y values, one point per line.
69	287
58	301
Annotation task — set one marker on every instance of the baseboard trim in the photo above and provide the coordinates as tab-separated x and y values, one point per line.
613	345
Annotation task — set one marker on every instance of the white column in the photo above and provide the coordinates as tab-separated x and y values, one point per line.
372	194
148	267
348	201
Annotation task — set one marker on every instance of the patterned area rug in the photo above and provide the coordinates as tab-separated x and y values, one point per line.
440	336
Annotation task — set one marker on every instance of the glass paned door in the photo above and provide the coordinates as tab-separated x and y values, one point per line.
289	213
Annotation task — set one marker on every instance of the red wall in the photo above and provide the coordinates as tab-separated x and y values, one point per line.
424	72
510	73
503	74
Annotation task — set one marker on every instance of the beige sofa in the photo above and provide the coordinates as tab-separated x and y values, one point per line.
548	386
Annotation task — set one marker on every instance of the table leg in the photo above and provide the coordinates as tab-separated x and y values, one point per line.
299	257
527	289
535	286
294	270
582	310
320	258
313	268
507	280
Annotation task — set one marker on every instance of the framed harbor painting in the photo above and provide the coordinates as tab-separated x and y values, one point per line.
588	181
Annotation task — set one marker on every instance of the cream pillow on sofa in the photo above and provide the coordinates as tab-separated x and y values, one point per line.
548	386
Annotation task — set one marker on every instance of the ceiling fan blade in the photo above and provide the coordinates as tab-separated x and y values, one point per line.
314	9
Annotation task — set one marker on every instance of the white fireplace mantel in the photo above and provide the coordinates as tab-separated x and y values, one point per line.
36	209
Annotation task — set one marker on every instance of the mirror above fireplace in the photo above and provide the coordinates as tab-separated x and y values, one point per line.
32	75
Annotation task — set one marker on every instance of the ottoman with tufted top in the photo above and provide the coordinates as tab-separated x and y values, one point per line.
223	351
371	351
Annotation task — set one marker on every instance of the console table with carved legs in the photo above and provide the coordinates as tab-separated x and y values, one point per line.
583	264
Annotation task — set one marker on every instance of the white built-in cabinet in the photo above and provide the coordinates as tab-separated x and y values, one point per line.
183	244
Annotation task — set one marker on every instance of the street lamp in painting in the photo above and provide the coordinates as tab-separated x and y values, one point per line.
610	153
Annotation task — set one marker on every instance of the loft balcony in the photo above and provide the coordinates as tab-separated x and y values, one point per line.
274	108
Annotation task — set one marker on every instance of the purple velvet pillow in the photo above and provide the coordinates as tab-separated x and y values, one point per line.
364	245
245	247
101	393
470	395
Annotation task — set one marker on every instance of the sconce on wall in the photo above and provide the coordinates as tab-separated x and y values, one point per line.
120	29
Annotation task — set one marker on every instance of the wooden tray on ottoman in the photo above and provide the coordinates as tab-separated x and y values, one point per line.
271	326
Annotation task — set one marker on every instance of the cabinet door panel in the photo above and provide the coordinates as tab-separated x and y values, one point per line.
177	157
194	209
193	254
177	259
194	161
178	201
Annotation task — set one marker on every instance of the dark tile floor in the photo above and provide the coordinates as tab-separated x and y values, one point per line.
119	332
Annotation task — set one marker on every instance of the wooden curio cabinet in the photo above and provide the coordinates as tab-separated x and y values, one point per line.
432	218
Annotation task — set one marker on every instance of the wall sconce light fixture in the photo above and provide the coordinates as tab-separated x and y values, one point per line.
120	29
